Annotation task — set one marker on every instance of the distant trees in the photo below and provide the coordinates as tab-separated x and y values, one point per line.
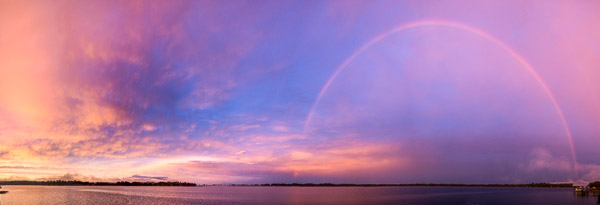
550	185
543	184
82	183
126	183
595	184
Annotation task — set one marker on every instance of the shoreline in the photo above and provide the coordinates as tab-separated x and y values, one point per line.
534	185
187	184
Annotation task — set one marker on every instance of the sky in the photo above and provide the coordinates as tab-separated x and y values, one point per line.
217	92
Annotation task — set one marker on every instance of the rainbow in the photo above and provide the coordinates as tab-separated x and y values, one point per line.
464	27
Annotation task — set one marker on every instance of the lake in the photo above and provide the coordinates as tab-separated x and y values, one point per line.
288	195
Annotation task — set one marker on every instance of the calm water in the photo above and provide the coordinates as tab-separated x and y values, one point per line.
287	195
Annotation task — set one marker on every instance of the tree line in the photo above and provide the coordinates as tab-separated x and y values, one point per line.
177	183
595	184
84	183
543	184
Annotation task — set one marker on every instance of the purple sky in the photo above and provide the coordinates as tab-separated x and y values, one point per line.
300	91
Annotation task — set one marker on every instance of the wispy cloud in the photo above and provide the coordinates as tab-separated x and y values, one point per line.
148	177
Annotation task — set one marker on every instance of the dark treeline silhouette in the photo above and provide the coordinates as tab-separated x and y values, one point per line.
176	183
563	185
595	184
82	183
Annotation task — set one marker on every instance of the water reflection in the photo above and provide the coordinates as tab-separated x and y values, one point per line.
291	195
585	195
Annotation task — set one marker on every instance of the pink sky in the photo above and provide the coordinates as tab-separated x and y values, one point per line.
300	91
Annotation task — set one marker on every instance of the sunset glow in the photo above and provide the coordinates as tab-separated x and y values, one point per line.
216	92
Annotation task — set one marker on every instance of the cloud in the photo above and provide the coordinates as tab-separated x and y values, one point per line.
15	167
4	154
589	172
280	128
126	82
148	177
283	159
115	147
243	127
15	178
91	178
543	162
72	177
542	159
185	89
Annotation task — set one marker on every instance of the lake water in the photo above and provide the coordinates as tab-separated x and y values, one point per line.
288	195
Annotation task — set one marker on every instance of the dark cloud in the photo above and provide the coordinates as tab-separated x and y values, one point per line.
3	154
148	177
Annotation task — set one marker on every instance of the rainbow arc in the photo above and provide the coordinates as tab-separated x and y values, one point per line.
463	27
